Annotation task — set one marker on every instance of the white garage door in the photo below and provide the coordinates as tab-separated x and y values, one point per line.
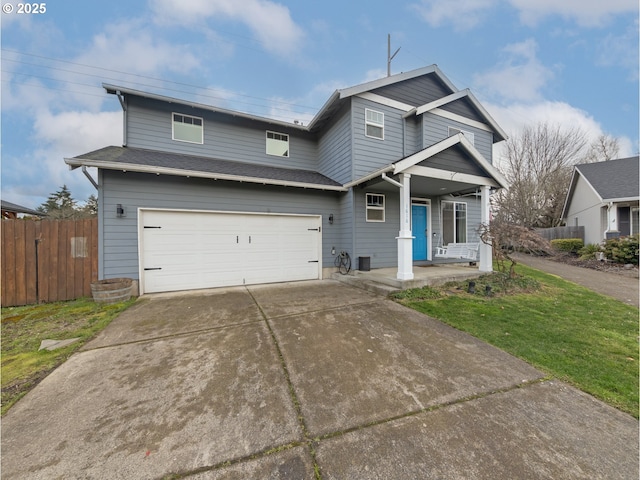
184	250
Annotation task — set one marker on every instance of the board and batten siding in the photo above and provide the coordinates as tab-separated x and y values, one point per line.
225	137
436	129
334	147
119	236
369	154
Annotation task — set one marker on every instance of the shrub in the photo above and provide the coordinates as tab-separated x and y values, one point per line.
589	250
570	245
622	250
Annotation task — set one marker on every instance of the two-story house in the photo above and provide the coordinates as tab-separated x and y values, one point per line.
200	196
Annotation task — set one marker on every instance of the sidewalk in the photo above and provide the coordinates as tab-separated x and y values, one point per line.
620	287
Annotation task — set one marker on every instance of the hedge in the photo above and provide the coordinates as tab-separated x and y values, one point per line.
571	245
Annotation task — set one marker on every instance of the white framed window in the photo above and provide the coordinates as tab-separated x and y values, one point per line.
454	222
186	128
468	135
635	220
374	124
277	144
375	207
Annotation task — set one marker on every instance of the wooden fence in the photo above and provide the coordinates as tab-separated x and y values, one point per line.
561	232
48	260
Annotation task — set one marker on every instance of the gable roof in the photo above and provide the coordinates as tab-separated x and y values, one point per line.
15	208
165	163
612	181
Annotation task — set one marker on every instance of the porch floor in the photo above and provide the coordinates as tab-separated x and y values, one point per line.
384	281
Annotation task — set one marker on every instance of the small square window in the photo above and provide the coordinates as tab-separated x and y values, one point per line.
374	124
468	135
375	207
277	144
185	128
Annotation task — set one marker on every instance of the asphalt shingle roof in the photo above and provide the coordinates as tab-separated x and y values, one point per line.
129	158
614	178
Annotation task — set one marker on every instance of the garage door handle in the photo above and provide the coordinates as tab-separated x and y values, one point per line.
313	261
151	227
154	268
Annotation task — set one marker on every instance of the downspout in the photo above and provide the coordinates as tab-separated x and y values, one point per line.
391	180
88	175
123	104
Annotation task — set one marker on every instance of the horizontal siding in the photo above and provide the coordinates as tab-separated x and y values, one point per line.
416	91
585	210
454	160
334	147
119	236
464	107
436	129
225	137
369	154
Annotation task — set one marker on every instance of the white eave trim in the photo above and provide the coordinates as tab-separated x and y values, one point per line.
445	144
129	167
372	97
457	96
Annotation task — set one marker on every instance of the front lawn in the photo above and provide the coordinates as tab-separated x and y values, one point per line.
23	328
568	331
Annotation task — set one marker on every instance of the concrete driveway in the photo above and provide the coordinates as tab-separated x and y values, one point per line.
305	380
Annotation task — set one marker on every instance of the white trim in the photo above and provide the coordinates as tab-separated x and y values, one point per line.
442	101
193	117
445	144
267	132
368	122
431	172
468	135
460	119
372	97
367	207
125	167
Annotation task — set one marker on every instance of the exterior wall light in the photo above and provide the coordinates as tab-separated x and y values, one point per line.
120	211
331	219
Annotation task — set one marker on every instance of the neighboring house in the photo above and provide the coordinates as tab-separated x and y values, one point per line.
12	210
201	196
603	197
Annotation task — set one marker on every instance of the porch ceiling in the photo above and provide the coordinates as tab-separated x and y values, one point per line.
425	186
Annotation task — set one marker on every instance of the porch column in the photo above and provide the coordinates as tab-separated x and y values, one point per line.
405	239
612	217
486	252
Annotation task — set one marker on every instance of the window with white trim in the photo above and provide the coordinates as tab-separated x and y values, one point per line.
277	144
454	222
468	135
374	124
186	128
375	207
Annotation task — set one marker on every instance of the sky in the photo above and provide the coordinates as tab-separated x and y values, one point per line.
571	63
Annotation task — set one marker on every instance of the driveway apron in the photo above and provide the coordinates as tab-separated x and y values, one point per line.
304	380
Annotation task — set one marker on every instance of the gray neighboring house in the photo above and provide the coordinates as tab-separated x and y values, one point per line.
12	210
603	197
200	196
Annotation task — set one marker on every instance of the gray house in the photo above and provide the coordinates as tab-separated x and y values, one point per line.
603	197
200	196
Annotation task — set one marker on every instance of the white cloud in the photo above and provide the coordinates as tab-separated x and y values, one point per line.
587	13
520	77
621	50
462	14
270	22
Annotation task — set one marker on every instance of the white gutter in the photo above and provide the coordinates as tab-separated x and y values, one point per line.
88	175
391	180
129	167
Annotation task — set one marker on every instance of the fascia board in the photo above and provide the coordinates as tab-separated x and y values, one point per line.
125	167
114	89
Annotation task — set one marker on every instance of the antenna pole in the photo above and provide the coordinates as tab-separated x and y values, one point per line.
389	56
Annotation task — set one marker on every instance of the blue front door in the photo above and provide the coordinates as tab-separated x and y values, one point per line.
419	231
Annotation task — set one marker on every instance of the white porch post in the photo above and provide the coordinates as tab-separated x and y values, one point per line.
612	217
405	239
486	252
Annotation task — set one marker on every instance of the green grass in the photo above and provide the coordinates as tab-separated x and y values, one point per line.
565	330
23	328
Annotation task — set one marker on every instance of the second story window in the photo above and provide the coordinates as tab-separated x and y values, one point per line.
374	124
186	128
277	144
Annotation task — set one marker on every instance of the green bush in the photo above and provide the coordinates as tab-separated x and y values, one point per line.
571	245
622	250
589	250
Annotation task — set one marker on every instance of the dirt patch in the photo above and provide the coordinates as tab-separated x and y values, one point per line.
593	264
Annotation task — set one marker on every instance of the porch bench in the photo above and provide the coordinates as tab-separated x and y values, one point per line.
466	251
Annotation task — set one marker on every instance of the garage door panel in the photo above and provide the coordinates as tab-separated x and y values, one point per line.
189	250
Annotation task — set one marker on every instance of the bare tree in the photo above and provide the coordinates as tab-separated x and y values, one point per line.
603	149
538	168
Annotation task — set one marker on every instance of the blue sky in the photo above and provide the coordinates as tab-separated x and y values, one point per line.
567	62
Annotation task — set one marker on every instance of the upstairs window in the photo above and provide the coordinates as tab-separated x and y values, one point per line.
374	124
186	128
468	135
375	207
277	144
